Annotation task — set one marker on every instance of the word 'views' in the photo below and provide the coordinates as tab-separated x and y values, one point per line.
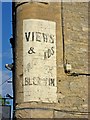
39	37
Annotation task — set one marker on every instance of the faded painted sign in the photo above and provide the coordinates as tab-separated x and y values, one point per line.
39	60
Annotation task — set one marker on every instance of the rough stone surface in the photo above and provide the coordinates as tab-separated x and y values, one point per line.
72	91
41	114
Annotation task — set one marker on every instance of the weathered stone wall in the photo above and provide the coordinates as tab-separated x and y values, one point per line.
72	91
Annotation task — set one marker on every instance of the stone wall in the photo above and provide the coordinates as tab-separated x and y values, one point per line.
72	91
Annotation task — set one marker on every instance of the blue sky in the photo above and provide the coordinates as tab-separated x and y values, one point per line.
6	52
6	47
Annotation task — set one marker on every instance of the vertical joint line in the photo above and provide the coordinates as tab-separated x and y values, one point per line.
63	42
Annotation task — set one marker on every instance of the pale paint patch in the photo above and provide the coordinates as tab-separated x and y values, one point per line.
39	60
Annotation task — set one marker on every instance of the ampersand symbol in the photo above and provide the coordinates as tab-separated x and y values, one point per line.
31	51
